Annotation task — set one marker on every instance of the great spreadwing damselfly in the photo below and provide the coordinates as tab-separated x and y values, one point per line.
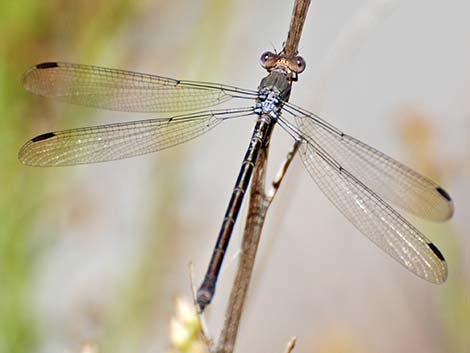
359	180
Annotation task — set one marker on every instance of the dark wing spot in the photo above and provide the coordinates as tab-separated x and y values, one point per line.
42	137
47	65
436	251
443	193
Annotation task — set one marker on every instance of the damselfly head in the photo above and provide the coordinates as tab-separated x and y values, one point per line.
291	66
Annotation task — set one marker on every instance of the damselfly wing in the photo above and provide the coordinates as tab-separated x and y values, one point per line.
360	181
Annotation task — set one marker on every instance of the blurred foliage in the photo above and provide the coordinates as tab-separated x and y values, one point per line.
90	347
418	137
339	340
186	334
78	31
35	31
32	30
163	200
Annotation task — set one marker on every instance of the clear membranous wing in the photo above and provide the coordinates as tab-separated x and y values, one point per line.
373	217
120	140
129	91
125	90
388	178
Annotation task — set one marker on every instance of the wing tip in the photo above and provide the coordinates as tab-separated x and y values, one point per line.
22	153
25	151
28	78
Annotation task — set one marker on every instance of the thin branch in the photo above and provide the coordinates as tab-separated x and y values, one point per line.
254	224
257	211
296	25
276	183
258	207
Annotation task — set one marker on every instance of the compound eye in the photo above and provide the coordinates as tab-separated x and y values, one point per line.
265	57
300	62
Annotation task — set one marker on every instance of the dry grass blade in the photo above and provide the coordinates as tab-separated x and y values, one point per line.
291	345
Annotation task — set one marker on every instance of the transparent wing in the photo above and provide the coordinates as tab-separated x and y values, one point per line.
387	177
124	90
373	217
121	140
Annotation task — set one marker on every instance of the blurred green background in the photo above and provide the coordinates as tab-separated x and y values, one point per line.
97	253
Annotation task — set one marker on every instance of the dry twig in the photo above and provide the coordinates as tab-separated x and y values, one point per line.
258	207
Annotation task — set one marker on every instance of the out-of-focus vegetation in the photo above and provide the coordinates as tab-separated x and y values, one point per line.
418	139
78	31
185	329
30	31
35	31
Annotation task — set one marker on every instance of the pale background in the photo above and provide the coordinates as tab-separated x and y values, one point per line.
98	253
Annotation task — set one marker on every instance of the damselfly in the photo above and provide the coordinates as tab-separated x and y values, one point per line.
358	179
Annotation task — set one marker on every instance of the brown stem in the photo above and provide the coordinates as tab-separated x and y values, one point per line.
258	207
295	30
254	224
276	183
